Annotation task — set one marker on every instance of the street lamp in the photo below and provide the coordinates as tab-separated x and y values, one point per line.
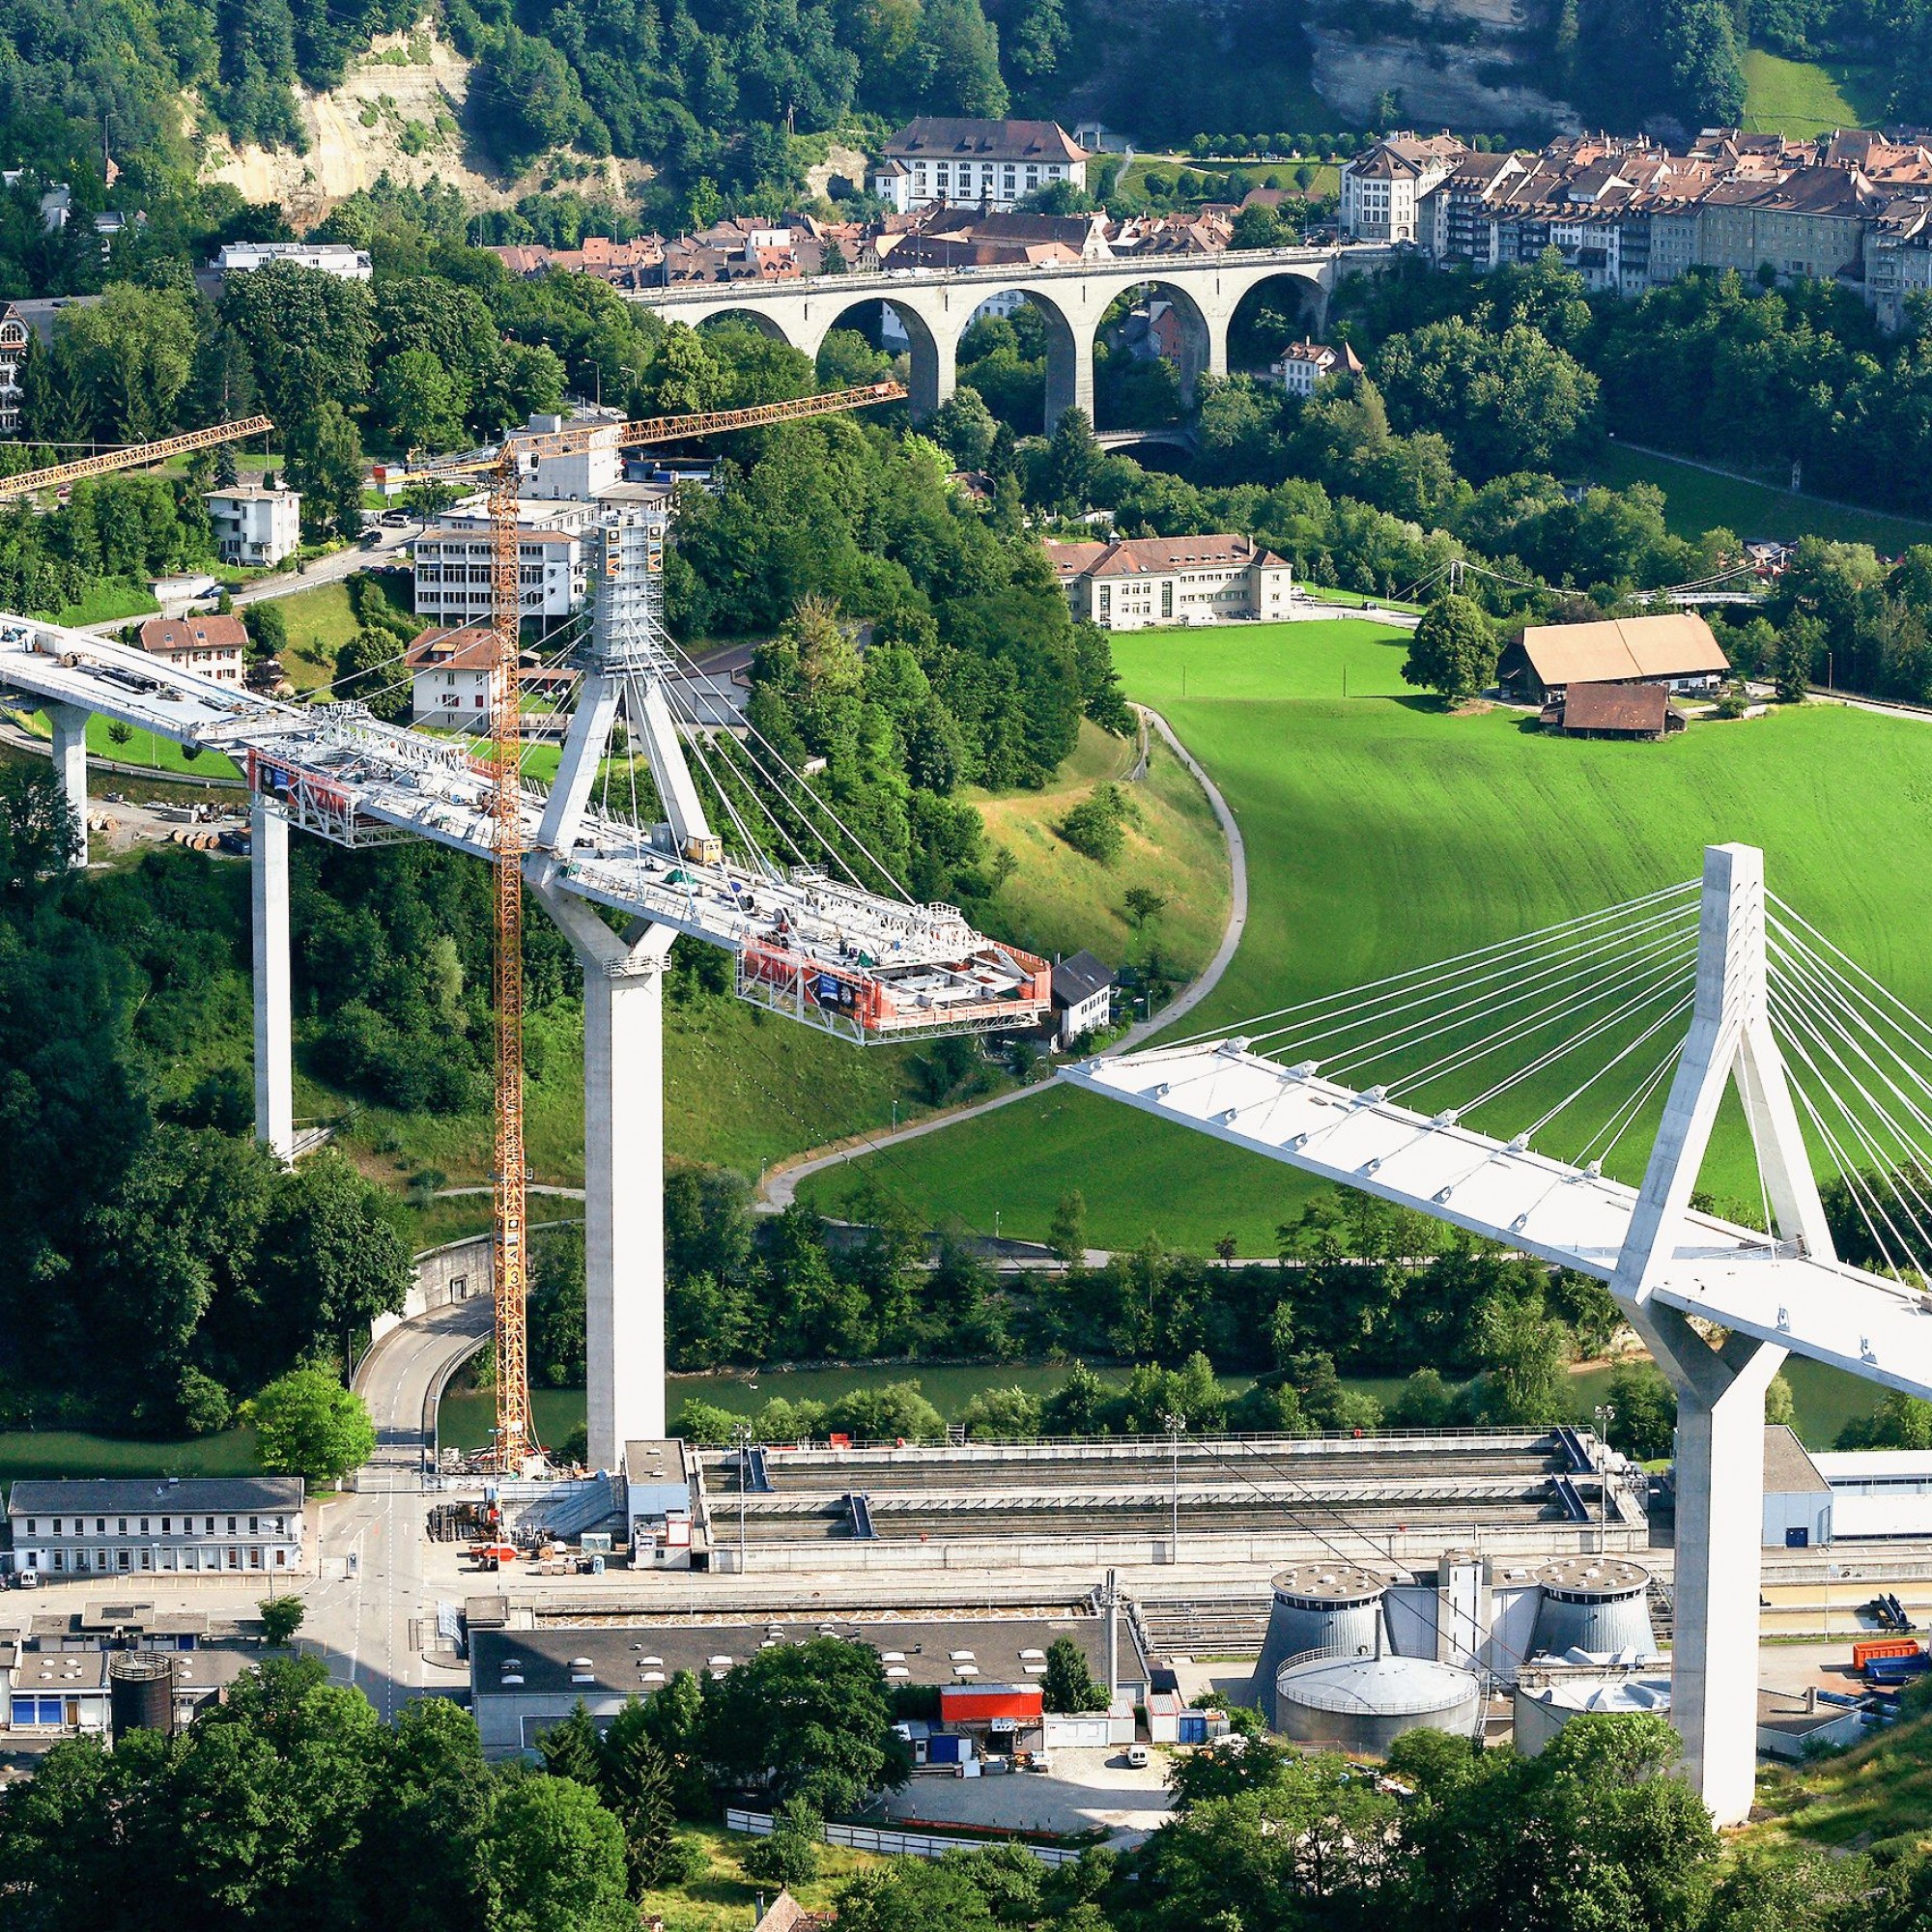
1173	1422
741	1435
1605	1414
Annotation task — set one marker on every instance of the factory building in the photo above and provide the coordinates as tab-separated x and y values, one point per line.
100	1526
522	1680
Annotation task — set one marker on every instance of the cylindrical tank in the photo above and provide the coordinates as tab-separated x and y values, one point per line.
1545	1704
1365	1703
1329	1606
140	1692
1595	1604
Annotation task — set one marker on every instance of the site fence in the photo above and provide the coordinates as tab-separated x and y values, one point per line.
898	1844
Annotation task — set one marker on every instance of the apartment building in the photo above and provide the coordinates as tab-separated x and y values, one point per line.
1631	214
454	563
1383	190
210	645
255	526
332	258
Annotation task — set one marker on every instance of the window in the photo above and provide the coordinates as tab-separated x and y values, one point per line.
30	1526
1166	598
100	1525
234	1557
208	1525
56	1525
253	1525
144	1525
231	1526
255	1558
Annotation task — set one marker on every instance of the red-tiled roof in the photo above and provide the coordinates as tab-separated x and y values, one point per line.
168	637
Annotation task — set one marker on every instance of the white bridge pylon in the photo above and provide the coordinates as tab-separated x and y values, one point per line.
1738	974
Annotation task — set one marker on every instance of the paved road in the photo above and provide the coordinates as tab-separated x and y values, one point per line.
329	569
778	1187
375	1553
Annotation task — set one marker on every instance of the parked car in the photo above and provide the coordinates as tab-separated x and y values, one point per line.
1138	1757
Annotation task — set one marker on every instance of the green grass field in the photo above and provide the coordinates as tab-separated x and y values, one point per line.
1697	500
139	748
1383	833
1803	98
61	1452
111	597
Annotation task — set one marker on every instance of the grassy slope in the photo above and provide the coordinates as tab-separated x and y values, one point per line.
1697	500
1801	99
142	748
1879	1790
721	1898
1383	833
1060	901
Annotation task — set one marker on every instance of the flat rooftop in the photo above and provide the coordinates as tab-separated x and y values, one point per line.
636	1658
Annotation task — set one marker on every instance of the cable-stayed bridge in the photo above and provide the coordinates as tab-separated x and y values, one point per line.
1493	1091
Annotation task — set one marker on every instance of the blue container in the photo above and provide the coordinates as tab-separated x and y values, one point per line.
942	1748
1193	1727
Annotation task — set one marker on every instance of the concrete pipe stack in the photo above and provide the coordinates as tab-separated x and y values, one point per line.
1325	1606
1597	1605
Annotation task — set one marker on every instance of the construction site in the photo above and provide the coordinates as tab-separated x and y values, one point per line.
1345	1588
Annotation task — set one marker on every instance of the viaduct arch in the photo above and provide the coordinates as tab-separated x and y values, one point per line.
935	308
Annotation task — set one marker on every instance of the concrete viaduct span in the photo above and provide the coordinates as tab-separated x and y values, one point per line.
935	308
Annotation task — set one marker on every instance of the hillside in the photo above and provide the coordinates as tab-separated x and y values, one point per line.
670	117
1382	832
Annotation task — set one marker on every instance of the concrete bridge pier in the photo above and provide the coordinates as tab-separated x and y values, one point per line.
623	1174
274	1032
70	749
1719	1391
1069	368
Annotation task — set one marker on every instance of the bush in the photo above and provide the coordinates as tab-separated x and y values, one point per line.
703	1423
787	1858
1092	827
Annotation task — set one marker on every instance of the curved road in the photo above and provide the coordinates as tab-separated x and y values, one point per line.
375	1577
777	1188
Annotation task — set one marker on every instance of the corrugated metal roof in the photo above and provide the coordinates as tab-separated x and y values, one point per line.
1619	649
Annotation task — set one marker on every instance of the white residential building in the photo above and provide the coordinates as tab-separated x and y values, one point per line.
1383	188
332	258
209	644
1303	364
110	1527
943	159
1144	582
453	677
254	526
454	567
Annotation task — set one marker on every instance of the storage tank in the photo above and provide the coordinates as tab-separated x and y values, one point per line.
140	1692
1326	1606
1365	1703
1544	1702
1597	1605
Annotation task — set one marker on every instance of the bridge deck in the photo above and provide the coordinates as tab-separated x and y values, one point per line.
1509	1193
345	776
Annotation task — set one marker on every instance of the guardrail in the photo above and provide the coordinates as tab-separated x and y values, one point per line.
1152	268
898	1844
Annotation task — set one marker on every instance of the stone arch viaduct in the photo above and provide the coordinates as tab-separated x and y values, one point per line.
935	307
